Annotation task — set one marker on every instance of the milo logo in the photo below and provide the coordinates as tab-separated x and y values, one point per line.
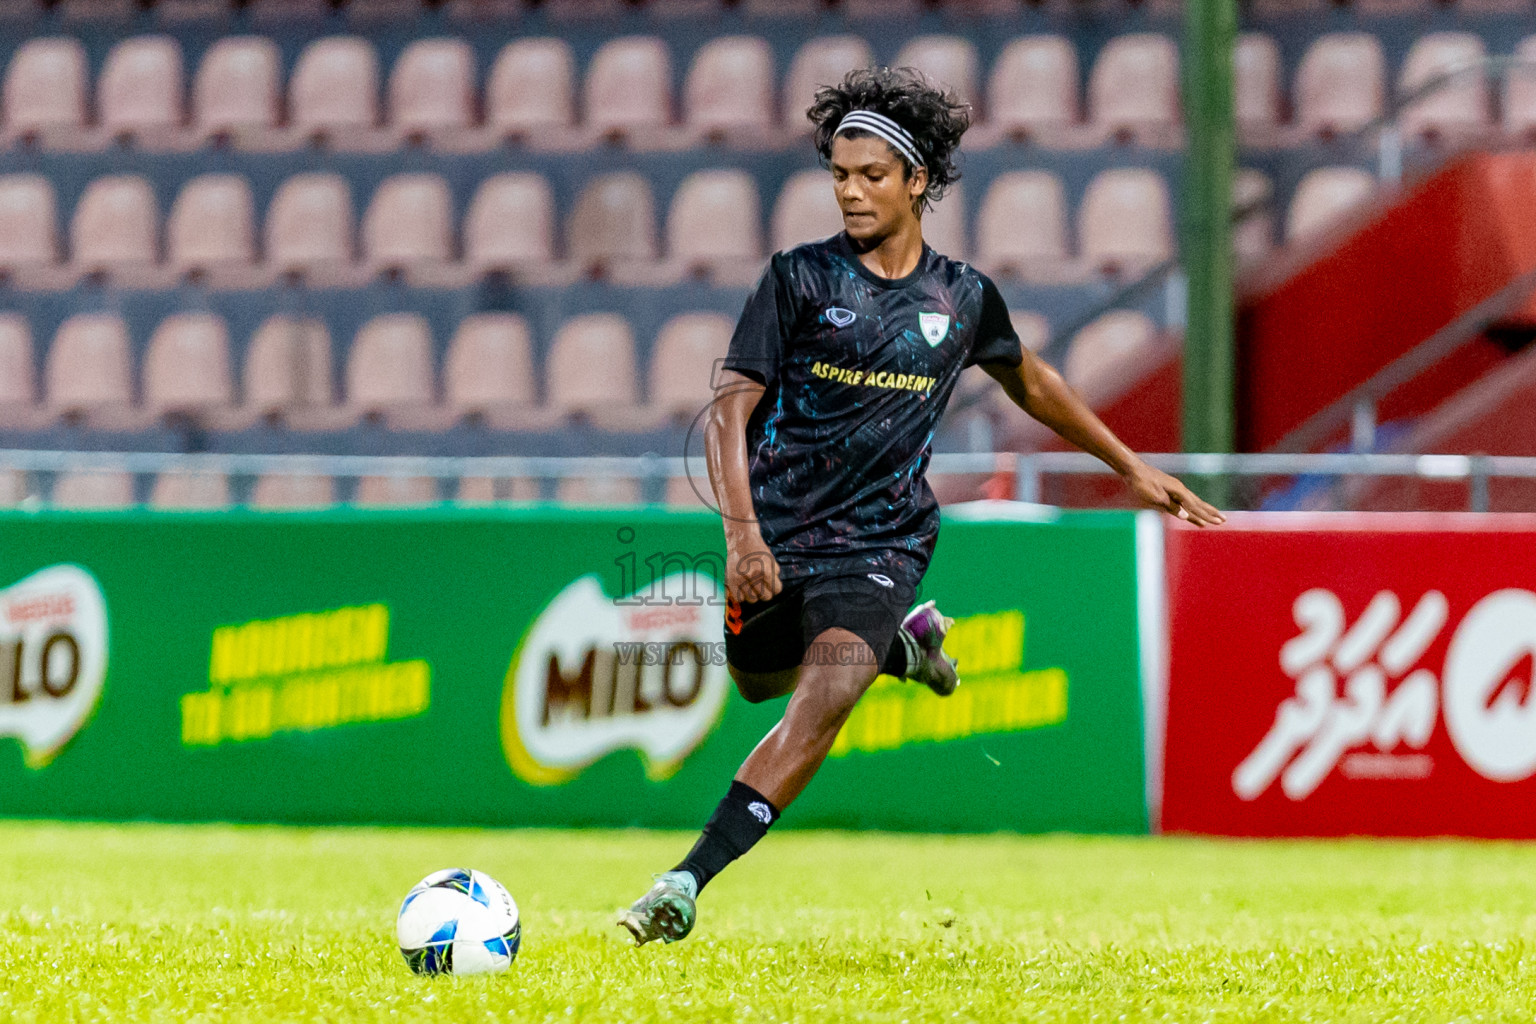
594	675
53	658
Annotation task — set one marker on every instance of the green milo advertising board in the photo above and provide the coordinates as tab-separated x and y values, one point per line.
525	667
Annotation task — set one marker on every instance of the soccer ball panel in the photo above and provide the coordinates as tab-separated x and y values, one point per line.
458	922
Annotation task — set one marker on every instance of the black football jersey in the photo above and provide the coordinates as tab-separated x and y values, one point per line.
858	370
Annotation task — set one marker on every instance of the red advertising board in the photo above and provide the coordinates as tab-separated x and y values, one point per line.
1352	674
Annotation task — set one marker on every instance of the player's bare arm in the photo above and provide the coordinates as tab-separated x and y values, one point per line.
751	571
1036	387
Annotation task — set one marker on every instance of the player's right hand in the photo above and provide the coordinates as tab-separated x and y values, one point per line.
751	571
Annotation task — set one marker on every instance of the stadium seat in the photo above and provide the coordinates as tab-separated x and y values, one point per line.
396	491
1323	197
115	231
140	94
944	224
1520	93
1461	106
309	227
1107	351
714	227
1125	224
1022	228
729	91
88	371
607	490
488	372
432	89
819	62
947	61
628	89
806	210
18	373
211	232
510	225
93	490
1256	87
693	491
1254	236
14	488
333	93
688	350
530	94
186	367
28	225
236	92
184	489
484	490
1133	91
613	227
1033	90
408	227
590	372
389	369
288	491
288	375
1340	84
45	89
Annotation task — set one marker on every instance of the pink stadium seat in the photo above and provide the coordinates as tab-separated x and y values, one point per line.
186	368
944	225
806	210
1340	84
688	349
115	229
1256	74
28	218
614	224
183	489
288	370
309	225
1100	352
488	371
91	490
212	227
283	490
18	374
1459	107
819	62
591	370
432	88
396	491
510	224
1125	223
530	91
599	491
1254	236
628	92
1034	87
237	88
1022	227
715	225
45	90
409	224
947	61
485	490
389	370
13	488
1133	90
729	89
1520	93
140	92
1323	197
88	369
333	94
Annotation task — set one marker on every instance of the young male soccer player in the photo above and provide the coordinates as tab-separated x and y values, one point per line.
836	378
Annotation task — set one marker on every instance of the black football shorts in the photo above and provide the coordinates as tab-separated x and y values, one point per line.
773	635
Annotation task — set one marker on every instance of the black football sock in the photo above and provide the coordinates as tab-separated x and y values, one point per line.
738	823
898	660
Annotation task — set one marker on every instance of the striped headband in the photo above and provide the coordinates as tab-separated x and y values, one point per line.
900	139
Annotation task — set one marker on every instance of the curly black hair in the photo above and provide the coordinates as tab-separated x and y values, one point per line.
935	117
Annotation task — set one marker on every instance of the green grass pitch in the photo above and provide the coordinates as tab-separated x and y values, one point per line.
209	924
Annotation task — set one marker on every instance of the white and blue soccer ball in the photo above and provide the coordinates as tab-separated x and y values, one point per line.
458	921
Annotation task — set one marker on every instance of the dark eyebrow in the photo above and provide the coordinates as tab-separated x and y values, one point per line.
884	164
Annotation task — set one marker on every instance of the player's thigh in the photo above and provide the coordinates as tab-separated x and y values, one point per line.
764	646
839	666
869	606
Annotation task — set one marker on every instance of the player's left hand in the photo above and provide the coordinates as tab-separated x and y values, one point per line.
1157	489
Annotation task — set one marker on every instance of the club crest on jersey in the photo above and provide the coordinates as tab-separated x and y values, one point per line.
935	326
839	316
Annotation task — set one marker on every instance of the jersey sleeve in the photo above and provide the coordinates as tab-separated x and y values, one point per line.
762	333
996	341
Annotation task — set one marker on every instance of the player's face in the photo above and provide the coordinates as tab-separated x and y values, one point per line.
873	188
